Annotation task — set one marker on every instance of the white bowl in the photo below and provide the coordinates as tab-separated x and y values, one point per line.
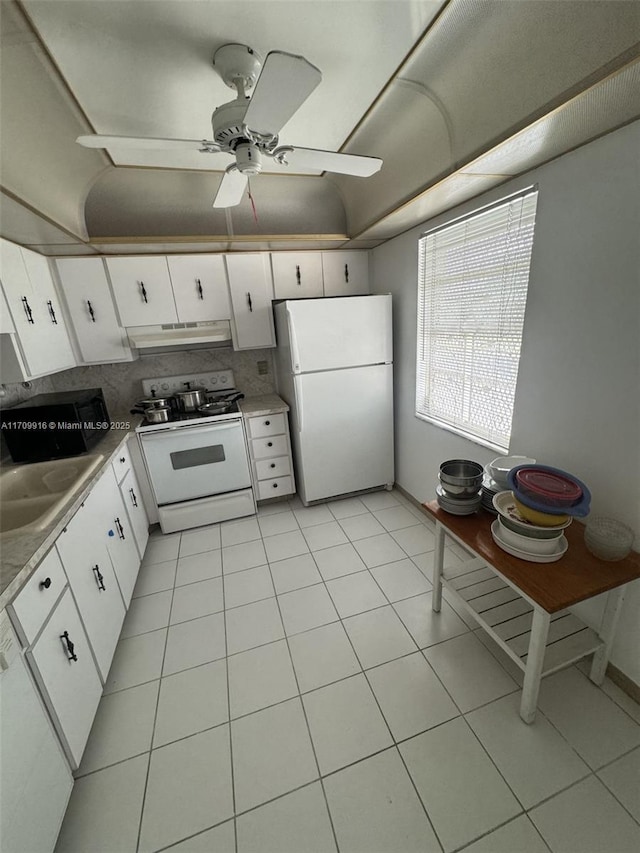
500	467
526	543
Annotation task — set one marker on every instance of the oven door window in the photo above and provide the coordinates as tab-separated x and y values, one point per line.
198	456
196	461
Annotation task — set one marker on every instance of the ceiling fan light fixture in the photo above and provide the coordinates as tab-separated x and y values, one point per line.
248	159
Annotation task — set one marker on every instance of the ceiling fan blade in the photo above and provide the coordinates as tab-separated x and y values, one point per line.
231	189
330	161
95	140
285	83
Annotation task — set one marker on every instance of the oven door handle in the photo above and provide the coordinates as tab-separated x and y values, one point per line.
157	433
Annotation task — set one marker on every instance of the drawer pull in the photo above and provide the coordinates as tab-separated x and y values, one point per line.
123	459
267	423
99	577
45	584
269	444
69	647
134	500
120	529
275	485
273	465
52	313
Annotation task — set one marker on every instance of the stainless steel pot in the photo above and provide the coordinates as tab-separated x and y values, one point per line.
154	401
158	414
188	401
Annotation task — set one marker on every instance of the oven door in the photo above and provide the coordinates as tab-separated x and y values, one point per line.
193	462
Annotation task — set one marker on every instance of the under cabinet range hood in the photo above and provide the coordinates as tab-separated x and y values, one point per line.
172	336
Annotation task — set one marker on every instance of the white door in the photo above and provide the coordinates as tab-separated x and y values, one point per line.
345	273
100	337
251	291
296	275
199	287
197	461
63	665
342	431
138	521
88	568
142	290
325	334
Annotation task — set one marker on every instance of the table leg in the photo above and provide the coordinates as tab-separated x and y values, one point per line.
535	659
607	632
438	564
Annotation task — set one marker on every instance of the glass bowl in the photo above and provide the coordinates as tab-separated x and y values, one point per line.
607	538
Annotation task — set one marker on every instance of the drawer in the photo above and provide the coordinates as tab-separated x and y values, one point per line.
121	463
269	469
273	488
267	425
36	599
264	448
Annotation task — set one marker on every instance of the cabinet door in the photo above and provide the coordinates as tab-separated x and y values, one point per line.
345	273
297	274
142	290
35	779
199	287
28	288
90	305
114	529
251	292
88	568
6	323
136	513
71	688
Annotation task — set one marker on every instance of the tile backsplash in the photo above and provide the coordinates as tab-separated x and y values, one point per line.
121	383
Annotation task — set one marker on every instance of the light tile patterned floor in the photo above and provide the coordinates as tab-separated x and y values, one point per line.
281	685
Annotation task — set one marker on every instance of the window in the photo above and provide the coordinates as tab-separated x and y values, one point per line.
472	290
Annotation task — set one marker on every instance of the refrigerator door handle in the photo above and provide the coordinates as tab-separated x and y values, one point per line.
299	410
295	356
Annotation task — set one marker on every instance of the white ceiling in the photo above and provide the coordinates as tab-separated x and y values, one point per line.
454	95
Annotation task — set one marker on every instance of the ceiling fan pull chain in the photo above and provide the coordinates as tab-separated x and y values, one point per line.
201	294
144	292
298	275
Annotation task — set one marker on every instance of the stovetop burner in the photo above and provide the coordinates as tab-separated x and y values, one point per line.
179	417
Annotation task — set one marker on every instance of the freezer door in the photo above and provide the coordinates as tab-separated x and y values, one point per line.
326	334
342	429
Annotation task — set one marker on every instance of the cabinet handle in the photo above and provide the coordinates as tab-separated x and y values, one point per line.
123	459
269	444
120	529
134	499
27	310
52	313
298	275
267	423
275	485
45	584
273	465
200	293
143	291
69	647
249	302
99	577
346	273
91	312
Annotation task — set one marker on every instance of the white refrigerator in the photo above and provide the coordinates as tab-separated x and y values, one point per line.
334	367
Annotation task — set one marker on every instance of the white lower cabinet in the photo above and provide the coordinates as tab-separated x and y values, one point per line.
136	513
93	582
35	779
270	453
63	666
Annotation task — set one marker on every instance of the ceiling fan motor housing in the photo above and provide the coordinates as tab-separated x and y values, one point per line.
228	123
248	159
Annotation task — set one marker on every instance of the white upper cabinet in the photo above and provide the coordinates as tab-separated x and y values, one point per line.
142	290
251	291
42	346
345	273
199	287
297	274
91	310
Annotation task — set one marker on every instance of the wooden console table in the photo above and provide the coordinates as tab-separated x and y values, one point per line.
523	605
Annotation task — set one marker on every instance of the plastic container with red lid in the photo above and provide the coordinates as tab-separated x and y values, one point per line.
543	487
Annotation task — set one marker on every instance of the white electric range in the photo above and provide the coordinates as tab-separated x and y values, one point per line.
197	464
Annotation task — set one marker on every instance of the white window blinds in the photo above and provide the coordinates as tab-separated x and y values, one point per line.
472	290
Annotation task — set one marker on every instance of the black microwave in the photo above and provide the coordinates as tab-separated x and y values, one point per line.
52	426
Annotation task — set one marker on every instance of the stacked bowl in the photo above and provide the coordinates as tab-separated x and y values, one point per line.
521	538
459	489
547	496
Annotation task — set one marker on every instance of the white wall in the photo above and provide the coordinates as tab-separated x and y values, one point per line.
577	404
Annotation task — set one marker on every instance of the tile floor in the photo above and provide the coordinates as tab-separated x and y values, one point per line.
282	686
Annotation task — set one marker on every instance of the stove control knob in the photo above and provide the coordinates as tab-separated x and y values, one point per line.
165	386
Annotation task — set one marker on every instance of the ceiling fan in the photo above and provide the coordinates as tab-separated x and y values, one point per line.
248	128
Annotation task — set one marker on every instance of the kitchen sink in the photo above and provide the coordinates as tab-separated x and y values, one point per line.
32	494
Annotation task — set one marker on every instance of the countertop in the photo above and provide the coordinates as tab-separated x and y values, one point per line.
265	404
21	554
